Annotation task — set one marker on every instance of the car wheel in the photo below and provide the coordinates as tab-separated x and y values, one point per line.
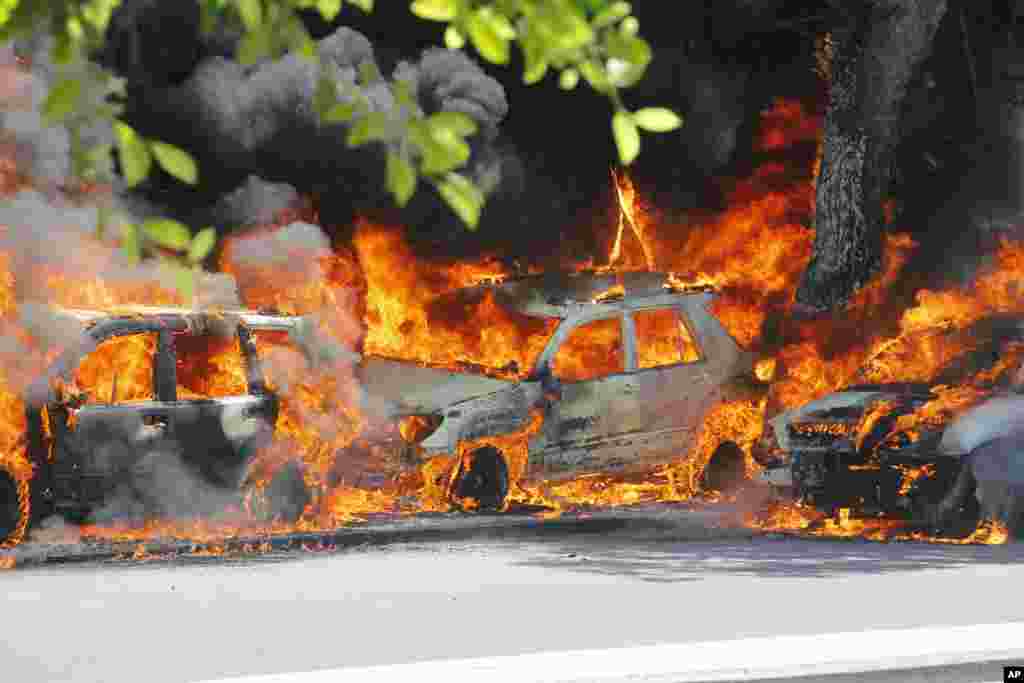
12	516
726	470
486	479
285	498
957	511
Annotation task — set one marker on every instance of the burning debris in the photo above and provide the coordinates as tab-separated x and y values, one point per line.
429	384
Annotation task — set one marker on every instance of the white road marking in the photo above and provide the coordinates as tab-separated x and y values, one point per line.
751	658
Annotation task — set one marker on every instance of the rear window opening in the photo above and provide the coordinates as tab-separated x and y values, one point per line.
662	338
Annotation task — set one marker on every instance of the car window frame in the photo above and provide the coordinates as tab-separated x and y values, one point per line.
253	386
565	330
67	367
680	311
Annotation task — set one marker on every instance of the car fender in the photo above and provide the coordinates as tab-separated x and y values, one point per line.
503	412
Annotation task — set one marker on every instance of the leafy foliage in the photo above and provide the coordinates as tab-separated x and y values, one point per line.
595	41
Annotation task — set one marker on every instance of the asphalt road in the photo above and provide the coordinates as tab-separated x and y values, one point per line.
594	586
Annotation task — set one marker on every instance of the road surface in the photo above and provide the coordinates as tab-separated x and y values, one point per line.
204	619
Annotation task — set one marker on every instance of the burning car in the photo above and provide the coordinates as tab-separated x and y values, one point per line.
156	410
910	450
623	368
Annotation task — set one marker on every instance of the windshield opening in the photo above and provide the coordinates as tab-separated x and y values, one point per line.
468	331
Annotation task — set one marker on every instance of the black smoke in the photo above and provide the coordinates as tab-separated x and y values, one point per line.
544	155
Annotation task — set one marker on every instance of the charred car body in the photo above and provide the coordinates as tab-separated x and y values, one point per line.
628	370
826	454
157	409
850	450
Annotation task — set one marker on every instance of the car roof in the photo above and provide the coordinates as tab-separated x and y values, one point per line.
259	319
564	295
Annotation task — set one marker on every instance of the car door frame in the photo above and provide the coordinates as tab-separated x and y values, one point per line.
154	415
257	411
657	441
551	454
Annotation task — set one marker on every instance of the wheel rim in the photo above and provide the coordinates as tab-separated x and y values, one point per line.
726	470
486	480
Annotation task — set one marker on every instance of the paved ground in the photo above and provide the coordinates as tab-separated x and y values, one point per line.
510	590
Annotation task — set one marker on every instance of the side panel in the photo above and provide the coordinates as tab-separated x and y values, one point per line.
581	430
215	435
99	455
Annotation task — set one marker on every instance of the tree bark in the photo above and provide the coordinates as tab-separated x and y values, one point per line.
875	54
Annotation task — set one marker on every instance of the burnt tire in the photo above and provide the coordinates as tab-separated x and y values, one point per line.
957	511
11	523
486	479
726	471
286	495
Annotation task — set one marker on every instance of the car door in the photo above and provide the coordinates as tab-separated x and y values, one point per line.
581	427
670	380
109	414
220	414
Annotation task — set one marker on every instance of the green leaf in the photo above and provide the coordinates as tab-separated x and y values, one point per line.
306	47
435	10
175	161
455	121
369	73
329	9
569	79
628	48
595	75
202	244
465	198
535	63
401	178
130	243
563	25
96	162
657	119
75	29
251	12
445	150
325	96
254	46
168	233
365	5
439	155
627	137
211	11
134	154
372	127
500	23
403	94
342	112
62	100
97	13
611	14
487	37
185	280
630	26
7	8
591	6
453	39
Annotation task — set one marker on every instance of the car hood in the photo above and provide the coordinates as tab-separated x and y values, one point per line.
846	405
407	388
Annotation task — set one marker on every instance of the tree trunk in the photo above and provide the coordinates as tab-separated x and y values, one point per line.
874	57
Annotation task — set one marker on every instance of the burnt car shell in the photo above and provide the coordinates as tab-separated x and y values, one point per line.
614	421
82	454
827	462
